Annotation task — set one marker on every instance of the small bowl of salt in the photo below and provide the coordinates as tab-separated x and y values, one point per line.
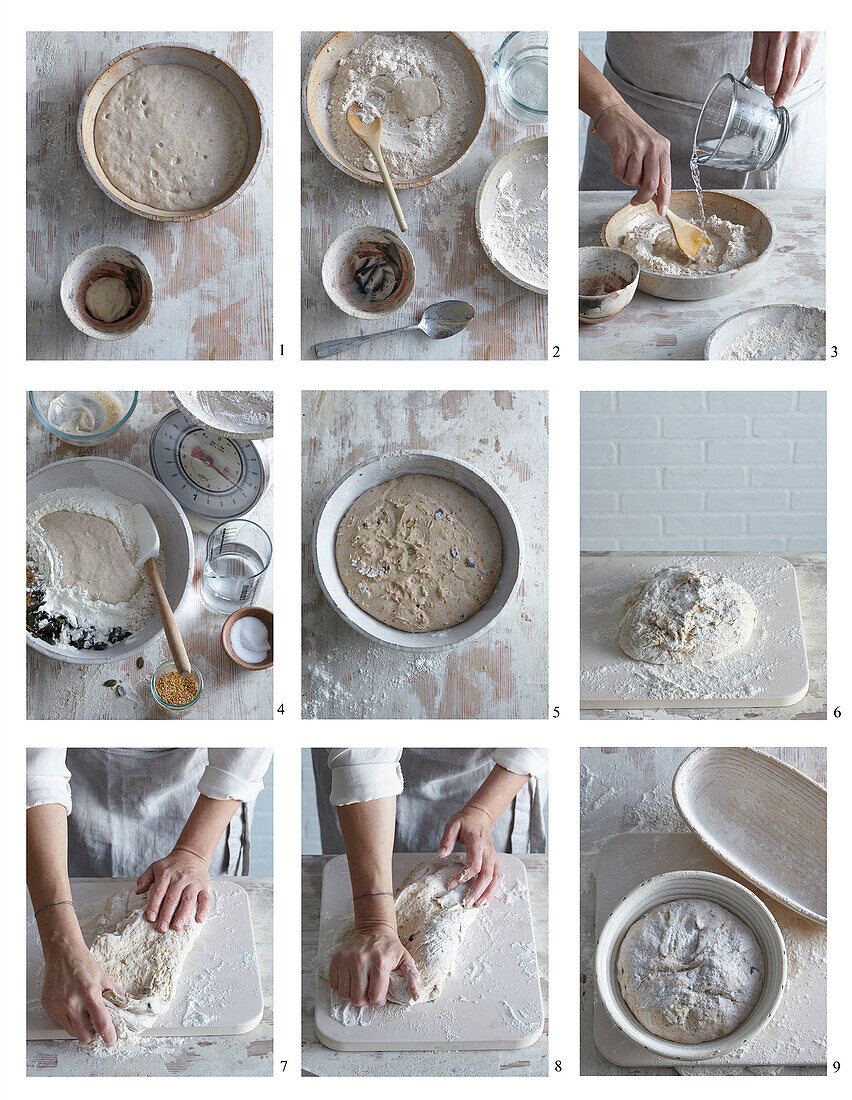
247	637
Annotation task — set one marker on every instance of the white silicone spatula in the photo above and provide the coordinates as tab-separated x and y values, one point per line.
148	540
370	133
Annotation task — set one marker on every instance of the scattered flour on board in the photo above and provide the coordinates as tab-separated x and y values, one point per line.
516	231
799	337
420	93
651	241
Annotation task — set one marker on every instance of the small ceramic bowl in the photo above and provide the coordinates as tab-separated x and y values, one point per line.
258	613
176	710
356	255
673	886
600	270
106	261
41	400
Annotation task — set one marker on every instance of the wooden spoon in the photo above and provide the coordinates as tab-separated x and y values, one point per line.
688	236
370	133
148	539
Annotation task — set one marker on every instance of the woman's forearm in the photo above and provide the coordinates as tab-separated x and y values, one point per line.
47	875
596	92
368	832
205	825
497	792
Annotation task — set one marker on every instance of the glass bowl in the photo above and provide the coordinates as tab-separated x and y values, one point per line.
55	409
176	709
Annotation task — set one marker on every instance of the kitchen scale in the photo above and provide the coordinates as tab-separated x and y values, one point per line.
214	476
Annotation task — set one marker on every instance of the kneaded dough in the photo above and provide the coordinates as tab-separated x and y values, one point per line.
419	553
686	617
91	556
690	971
145	964
108	299
171	137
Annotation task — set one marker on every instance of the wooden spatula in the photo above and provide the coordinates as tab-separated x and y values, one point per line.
688	236
148	538
370	133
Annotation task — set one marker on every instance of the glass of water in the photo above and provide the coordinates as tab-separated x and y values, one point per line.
238	555
521	64
740	128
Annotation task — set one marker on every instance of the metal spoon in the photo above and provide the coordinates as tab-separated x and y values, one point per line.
440	320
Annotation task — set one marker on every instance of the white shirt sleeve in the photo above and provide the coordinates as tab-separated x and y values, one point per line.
234	773
522	761
48	780
361	775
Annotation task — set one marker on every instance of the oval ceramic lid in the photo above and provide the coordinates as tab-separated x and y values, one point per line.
763	818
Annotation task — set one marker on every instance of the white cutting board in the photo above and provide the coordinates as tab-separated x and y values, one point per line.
219	991
796	1036
492	1000
610	679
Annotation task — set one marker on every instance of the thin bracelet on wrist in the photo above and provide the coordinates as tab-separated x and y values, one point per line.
378	894
53	905
620	103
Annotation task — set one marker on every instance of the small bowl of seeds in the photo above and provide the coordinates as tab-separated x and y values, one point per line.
174	693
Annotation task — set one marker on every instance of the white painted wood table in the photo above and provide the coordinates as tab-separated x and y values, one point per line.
811	579
60	689
625	790
657	328
510	322
248	1055
504	673
320	1061
212	277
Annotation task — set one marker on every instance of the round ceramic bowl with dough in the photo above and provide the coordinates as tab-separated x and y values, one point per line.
702	885
376	471
691	288
316	92
171	53
175	541
106	261
601	268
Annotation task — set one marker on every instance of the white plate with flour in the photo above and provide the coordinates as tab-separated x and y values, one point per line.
770	671
491	1001
782	332
511	213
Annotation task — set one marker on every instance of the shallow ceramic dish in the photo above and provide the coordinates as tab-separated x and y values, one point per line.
175	539
106	261
705	885
733	328
188	402
165	53
690	288
486	197
316	90
338	275
761	817
376	471
258	613
599	264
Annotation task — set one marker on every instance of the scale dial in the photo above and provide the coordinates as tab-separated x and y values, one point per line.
210	474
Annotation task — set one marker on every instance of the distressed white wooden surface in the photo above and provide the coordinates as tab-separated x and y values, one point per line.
657	328
248	1055
58	689
504	673
811	579
320	1061
510	322
212	277
626	790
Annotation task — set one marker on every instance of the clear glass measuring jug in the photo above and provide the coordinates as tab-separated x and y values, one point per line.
740	127
521	64
238	555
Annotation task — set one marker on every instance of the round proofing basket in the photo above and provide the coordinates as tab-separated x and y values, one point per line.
674	886
175	540
316	92
376	471
164	53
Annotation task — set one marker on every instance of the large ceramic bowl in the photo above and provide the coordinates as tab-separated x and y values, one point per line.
376	471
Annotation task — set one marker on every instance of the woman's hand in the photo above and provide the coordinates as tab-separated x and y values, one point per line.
640	156
779	60
72	994
472	827
178	889
361	967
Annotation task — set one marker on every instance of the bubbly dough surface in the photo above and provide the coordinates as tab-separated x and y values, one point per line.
685	616
171	137
690	971
108	299
92	556
419	553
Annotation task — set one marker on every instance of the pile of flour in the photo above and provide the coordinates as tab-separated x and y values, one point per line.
516	231
651	241
420	93
799	338
86	620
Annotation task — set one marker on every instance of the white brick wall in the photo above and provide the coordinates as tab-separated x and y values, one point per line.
692	470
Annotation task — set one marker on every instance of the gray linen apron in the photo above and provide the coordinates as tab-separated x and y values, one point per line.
129	806
665	77
438	782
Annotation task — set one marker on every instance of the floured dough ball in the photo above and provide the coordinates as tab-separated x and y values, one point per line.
690	971
108	299
686	617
